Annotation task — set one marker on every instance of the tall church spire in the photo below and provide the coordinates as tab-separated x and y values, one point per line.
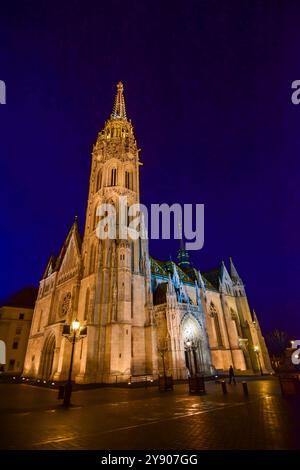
119	110
182	254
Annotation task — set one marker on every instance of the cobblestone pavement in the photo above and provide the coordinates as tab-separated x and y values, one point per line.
114	418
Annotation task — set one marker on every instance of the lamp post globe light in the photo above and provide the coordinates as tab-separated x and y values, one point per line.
256	349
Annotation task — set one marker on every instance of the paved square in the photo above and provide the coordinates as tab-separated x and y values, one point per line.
115	418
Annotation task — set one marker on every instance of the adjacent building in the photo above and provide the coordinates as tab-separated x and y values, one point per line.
15	321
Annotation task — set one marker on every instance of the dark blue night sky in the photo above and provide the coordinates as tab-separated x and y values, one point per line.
208	88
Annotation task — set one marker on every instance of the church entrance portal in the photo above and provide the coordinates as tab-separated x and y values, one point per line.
192	347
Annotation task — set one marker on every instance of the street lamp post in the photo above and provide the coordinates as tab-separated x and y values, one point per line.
189	349
167	382
75	327
256	349
196	379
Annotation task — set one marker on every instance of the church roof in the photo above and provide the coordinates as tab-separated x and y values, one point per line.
24	298
74	229
187	274
163	268
212	277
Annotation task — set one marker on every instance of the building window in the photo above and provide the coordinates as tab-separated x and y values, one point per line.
99	180
215	316
95	218
237	323
218	331
21	316
11	364
18	330
40	320
128	180
92	259
113	179
15	345
87	304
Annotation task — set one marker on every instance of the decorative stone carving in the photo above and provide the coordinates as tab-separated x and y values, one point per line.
65	305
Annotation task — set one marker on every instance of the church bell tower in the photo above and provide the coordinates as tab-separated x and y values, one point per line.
115	296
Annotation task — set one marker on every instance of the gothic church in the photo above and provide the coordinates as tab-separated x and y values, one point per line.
142	317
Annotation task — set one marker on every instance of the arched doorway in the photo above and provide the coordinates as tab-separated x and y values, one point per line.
46	363
192	346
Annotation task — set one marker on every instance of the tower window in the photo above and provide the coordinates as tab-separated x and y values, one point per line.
128	179
92	259
99	180
95	218
113	179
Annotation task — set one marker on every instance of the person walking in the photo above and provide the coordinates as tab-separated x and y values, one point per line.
231	375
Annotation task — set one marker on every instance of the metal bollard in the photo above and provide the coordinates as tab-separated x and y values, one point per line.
245	388
224	389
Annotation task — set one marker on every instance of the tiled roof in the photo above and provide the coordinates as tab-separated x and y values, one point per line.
163	268
212	277
186	275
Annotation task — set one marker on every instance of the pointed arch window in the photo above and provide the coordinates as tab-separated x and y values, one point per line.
113	177
92	259
237	323
128	179
87	304
40	320
95	218
98	180
215	316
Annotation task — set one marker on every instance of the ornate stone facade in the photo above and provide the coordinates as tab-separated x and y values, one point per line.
142	315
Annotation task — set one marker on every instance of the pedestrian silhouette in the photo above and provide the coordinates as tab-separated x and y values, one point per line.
231	375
